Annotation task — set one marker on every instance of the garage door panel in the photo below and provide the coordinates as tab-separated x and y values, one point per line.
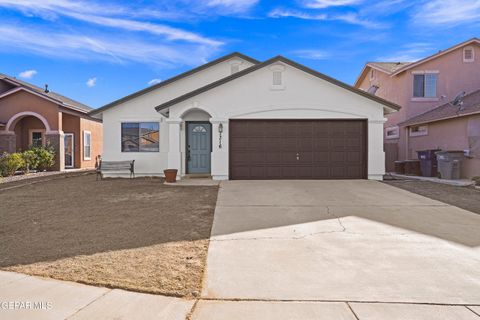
298	149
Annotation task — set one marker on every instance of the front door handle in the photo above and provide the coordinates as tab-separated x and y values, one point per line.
188	153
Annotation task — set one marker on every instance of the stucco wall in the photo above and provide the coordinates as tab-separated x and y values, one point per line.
96	143
455	134
142	109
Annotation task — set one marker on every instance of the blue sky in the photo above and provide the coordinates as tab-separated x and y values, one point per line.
97	51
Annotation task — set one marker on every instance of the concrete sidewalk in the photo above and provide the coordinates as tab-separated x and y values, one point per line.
68	300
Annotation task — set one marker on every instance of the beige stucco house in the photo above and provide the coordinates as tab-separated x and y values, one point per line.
419	88
30	115
239	118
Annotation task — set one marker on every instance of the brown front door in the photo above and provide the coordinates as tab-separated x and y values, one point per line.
298	149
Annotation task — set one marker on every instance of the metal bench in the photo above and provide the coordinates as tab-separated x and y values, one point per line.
115	166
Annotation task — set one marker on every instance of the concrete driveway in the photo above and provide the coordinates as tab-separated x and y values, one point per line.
340	241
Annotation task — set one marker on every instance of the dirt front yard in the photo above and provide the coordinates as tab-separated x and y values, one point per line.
467	198
135	234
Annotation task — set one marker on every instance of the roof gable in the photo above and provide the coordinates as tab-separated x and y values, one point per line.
174	79
437	55
52	96
294	64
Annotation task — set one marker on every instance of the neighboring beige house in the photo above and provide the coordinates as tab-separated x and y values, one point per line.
30	115
421	86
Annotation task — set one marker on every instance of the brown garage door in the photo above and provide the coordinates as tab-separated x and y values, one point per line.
298	149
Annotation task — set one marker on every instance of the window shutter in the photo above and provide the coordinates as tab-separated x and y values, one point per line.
418	85
431	85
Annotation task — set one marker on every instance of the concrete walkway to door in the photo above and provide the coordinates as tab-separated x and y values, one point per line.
340	241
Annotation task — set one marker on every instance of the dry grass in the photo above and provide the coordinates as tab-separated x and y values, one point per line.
173	269
132	234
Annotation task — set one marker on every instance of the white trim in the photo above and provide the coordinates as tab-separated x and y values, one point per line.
73	149
473	54
29	113
90	146
418	133
420	99
395	136
425	71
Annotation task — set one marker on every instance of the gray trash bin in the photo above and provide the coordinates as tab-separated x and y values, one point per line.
449	163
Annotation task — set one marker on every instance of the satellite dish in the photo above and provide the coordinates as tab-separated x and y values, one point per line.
373	90
458	101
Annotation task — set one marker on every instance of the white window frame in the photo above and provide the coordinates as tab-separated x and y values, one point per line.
473	55
423	132
30	138
85	133
424	73
395	136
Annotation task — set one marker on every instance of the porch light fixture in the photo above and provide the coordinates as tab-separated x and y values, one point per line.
220	131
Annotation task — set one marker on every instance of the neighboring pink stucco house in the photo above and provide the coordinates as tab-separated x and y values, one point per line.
419	88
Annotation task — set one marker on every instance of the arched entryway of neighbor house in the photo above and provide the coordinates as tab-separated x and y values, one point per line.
197	142
29	129
26	129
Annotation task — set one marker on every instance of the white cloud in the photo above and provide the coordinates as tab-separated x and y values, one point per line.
28	74
312	54
286	13
409	53
232	6
350	18
447	12
102	15
154	81
91	82
322	4
46	42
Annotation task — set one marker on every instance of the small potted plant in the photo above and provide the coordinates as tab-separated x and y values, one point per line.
170	175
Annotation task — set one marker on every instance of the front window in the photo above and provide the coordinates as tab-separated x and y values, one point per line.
425	85
87	142
140	137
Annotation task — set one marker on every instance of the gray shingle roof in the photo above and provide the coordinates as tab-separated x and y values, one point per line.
66	102
471	105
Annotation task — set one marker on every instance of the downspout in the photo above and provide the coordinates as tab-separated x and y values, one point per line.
407	142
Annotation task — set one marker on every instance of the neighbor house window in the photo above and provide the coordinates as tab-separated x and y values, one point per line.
87	145
37	139
392	133
468	54
140	137
372	74
418	131
425	85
